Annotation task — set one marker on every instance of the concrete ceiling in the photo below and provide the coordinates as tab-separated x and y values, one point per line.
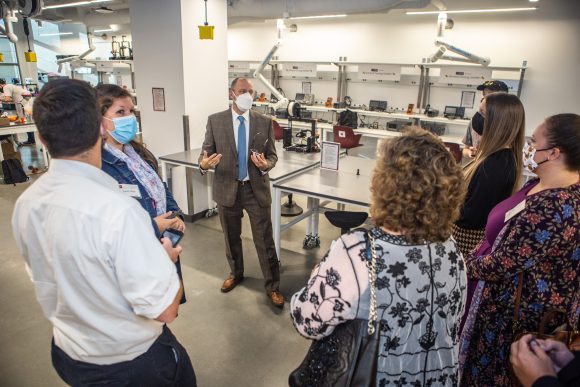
86	13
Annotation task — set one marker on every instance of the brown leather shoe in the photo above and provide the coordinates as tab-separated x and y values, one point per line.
276	298
230	283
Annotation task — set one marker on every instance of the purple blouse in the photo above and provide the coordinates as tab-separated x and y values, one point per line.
496	218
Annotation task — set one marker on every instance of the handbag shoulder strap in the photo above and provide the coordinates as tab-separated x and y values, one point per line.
515	323
372	270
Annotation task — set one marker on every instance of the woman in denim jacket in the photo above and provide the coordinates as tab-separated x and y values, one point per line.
131	164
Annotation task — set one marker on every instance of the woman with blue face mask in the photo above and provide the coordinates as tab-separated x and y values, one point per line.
532	236
131	164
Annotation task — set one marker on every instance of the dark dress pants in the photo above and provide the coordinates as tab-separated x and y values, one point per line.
261	223
166	363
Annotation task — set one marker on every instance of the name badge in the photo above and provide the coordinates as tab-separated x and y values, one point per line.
514	211
131	190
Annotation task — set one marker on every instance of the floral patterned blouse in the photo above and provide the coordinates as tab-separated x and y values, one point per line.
543	242
420	298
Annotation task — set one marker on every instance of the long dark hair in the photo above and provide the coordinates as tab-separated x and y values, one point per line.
563	132
107	94
504	127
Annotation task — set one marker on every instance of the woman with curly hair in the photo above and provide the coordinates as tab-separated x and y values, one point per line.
533	237
416	189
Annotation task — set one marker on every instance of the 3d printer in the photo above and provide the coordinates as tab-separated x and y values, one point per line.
308	142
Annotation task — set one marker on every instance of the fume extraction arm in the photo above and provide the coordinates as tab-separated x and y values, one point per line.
9	9
292	107
443	46
282	101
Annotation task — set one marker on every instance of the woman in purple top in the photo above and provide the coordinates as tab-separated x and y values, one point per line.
534	232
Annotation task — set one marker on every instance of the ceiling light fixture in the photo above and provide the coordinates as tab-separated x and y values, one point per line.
104	10
472	11
316	17
57	34
105	30
75	4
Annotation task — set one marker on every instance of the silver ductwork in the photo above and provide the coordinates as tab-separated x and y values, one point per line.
92	19
247	10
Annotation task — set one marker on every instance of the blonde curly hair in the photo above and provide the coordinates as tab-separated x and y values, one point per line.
417	188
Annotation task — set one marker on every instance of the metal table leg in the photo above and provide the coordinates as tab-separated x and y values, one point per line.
276	219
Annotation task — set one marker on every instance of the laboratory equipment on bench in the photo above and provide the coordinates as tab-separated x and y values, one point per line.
304	99
377	106
114	48
308	142
125	49
453	112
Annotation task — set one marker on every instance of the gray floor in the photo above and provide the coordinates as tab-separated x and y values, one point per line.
234	339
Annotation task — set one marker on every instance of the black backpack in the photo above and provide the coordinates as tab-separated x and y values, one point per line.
348	118
13	171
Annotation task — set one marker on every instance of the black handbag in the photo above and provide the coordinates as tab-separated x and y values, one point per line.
349	355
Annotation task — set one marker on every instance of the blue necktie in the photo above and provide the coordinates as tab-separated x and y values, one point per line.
242	150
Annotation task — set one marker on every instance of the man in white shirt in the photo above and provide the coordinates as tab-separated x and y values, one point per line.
12	93
15	94
102	278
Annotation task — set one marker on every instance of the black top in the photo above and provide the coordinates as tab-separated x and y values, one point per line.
492	183
568	376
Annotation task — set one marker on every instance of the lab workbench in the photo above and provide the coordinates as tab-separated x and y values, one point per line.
349	185
289	164
18	128
325	130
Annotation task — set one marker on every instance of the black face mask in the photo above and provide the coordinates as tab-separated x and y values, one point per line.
477	122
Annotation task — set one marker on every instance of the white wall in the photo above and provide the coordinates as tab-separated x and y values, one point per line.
549	39
159	63
169	54
205	64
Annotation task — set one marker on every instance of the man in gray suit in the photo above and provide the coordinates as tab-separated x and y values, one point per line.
239	145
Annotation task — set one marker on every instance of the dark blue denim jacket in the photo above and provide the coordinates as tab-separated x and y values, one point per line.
118	170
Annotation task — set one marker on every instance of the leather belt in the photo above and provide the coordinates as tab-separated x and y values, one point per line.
243	182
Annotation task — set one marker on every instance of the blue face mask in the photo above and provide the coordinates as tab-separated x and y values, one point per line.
125	128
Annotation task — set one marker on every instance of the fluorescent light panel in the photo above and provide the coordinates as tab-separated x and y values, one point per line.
57	34
316	17
75	4
104	30
473	11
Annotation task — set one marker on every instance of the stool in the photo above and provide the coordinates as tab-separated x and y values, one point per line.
345	220
290	208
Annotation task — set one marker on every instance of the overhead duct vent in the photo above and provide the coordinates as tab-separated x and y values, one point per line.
104	10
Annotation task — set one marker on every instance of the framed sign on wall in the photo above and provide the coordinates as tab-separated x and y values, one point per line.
158	99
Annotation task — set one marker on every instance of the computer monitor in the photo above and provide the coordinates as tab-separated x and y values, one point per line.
379	106
299	97
454	112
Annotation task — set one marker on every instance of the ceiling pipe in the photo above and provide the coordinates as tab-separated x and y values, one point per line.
439	4
9	18
82	56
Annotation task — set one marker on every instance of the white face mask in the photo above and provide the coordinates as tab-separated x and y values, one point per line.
244	101
529	153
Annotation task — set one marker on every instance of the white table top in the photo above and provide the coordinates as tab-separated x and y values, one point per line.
343	186
288	162
15	128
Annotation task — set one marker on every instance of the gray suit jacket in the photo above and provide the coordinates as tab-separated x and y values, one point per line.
219	138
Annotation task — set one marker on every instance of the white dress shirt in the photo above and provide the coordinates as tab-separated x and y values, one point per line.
14	91
100	274
246	116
